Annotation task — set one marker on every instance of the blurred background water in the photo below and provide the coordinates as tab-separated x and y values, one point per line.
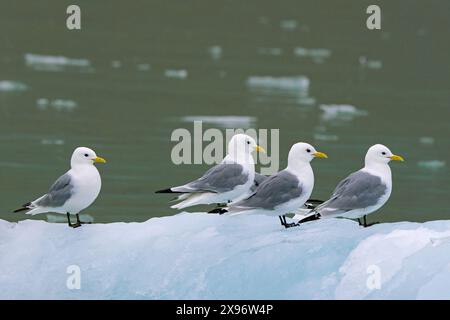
140	69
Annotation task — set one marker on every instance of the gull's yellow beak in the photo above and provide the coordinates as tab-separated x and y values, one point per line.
260	149
320	155
396	158
99	160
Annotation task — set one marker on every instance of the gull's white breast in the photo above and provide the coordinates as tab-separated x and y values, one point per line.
86	188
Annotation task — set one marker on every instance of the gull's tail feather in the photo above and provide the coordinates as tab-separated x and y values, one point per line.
182	196
192	200
38	210
33	207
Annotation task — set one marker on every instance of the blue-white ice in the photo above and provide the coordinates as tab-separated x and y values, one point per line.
203	256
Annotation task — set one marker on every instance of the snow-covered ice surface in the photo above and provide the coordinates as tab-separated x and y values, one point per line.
200	256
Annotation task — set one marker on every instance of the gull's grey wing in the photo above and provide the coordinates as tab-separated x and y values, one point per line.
359	190
220	178
58	193
259	178
273	191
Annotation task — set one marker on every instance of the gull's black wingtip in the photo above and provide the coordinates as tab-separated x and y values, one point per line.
165	191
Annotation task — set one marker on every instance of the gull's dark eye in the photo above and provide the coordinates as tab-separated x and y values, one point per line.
383	153
248	142
308	150
86	155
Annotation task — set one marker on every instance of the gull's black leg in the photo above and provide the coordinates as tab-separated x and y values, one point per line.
79	222
73	225
68	219
286	224
359	221
368	224
281	220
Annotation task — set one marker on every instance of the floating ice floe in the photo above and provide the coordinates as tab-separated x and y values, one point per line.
300	83
204	256
143	67
56	104
58	142
56	63
432	164
224	121
325	137
276	90
426	140
288	24
215	52
340	112
11	86
116	64
176	73
318	55
370	63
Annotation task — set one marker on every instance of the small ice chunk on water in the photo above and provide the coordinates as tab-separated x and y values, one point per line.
340	112
224	121
426	140
56	104
143	67
271	90
317	53
432	164
288	24
55	63
58	142
325	137
42	103
176	73
370	63
116	64
215	52
63	105
9	86
284	83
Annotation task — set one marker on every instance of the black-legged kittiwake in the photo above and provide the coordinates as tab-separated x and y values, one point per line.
284	191
363	191
224	183
73	191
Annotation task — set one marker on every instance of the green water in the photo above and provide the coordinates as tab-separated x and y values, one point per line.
125	102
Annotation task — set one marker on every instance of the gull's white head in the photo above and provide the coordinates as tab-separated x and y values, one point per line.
242	145
303	153
379	154
83	155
